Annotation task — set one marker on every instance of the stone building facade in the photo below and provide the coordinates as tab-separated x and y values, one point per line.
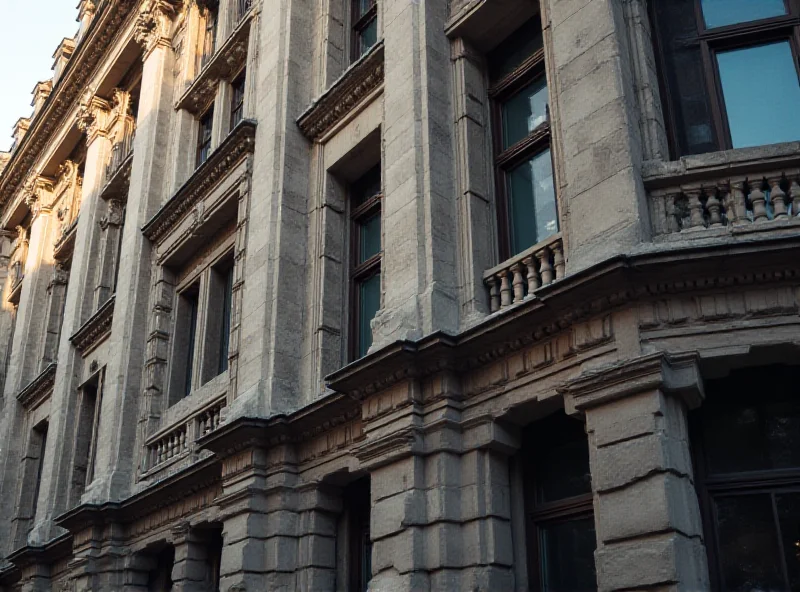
406	295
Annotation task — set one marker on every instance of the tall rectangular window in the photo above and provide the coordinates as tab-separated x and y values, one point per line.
38	447
185	341
730	72
357	506
746	446
364	32
366	250
209	39
237	100
91	396
225	332
204	136
558	506
526	197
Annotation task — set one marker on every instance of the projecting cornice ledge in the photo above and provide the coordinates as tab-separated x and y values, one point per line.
95	329
239	143
344	96
39	388
674	374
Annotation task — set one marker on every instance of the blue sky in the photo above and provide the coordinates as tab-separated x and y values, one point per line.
30	31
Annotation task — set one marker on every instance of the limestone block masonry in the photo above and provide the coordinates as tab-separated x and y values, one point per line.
262	326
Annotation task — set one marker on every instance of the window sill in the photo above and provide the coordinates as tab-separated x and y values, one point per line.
355	88
226	62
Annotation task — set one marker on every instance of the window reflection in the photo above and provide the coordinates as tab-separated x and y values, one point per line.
532	202
524	112
719	13
761	114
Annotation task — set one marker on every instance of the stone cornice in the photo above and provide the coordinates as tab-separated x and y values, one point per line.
66	95
677	375
39	388
616	282
196	477
95	329
226	63
301	426
239	143
357	83
47	554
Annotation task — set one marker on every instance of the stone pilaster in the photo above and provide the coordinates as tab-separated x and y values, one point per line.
76	304
441	512
115	464
190	569
318	510
419	272
647	516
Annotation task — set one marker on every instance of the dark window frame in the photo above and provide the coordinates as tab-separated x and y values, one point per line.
531	70
361	272
359	545
205	136
713	41
772	482
360	23
237	98
539	515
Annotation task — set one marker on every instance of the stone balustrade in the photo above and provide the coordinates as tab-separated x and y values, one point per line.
518	278
210	419
169	446
120	152
180	440
726	201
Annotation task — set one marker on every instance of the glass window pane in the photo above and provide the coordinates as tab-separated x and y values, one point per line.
524	112
370	302
761	115
564	472
567	556
532	202
748	544
367	187
370	238
751	423
363	6
368	36
685	77
718	13
789	516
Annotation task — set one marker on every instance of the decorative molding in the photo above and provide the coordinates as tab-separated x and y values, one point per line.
674	374
95	329
66	95
357	83
39	388
154	23
239	143
225	64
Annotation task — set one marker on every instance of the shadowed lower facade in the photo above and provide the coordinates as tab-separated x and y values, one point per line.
485	295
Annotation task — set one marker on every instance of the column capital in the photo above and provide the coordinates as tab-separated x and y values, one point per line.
154	23
675	374
93	115
38	192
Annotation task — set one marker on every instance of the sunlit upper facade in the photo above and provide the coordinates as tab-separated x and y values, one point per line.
383	295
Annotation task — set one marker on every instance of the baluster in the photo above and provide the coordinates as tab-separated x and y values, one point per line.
739	201
533	277
494	293
545	267
204	424
558	259
183	440
714	206
518	283
672	218
794	196
160	452
217	417
659	213
696	219
505	289
778	197
759	201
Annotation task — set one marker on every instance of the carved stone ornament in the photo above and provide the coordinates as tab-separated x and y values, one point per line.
113	214
154	24
60	275
93	114
38	193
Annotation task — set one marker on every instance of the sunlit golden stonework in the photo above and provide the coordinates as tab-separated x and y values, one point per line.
404	296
